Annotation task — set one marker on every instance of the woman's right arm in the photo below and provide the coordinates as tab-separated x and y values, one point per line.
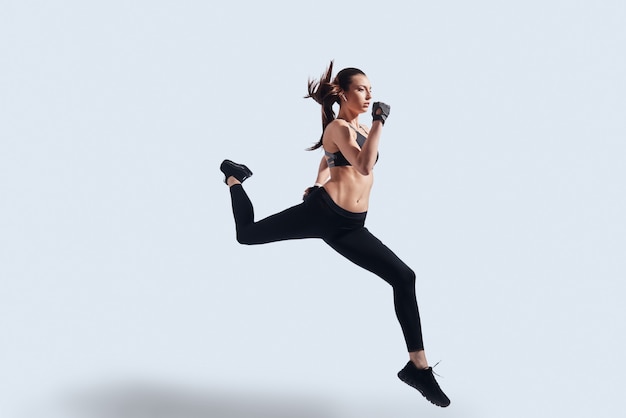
362	159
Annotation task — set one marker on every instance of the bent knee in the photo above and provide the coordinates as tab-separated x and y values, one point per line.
406	278
243	239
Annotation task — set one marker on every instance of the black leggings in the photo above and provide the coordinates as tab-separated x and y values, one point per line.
319	217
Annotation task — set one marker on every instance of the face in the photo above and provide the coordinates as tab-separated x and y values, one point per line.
358	95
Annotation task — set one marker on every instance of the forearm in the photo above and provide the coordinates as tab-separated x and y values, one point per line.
369	153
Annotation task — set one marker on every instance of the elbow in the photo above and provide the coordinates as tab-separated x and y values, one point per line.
364	166
364	170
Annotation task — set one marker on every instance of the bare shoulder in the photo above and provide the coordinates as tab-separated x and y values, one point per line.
338	131
338	125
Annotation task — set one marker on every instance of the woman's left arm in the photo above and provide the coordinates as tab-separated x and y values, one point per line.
323	173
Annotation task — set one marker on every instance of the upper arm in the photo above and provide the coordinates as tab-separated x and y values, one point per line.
323	165
323	172
338	135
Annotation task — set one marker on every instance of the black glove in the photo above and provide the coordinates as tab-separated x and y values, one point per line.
380	111
308	191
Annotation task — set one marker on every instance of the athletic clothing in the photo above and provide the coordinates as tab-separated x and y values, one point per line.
318	216
337	159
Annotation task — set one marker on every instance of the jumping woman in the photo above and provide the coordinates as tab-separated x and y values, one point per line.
334	209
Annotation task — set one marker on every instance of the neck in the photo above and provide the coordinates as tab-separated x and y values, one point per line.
350	117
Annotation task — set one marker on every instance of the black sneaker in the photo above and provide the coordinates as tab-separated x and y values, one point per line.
424	381
238	171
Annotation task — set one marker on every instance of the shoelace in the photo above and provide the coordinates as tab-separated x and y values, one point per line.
433	369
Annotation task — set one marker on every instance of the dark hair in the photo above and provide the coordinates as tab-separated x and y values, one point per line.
326	92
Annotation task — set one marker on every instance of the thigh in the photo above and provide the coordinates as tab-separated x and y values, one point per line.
295	222
365	250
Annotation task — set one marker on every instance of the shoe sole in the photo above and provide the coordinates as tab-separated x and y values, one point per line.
409	382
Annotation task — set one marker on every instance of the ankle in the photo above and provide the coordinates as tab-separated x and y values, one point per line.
419	359
231	181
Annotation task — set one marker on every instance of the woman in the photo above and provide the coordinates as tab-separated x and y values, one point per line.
334	209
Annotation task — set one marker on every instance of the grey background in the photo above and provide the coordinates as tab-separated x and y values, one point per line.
501	182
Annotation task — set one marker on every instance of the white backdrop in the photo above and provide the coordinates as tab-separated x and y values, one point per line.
501	182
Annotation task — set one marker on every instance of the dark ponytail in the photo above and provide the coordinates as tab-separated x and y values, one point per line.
326	93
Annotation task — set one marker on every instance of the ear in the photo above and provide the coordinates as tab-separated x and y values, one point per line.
343	96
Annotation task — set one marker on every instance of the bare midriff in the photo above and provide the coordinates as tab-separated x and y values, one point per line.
349	189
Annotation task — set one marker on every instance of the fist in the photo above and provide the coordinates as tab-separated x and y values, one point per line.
380	111
308	191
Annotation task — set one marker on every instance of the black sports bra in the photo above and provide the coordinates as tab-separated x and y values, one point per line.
337	159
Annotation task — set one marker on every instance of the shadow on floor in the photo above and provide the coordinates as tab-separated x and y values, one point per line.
144	401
